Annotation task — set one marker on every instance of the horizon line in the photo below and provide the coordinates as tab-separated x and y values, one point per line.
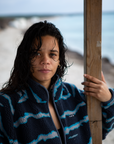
46	14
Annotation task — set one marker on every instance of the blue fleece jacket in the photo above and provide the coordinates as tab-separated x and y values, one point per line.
25	116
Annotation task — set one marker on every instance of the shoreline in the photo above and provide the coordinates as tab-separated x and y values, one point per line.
107	67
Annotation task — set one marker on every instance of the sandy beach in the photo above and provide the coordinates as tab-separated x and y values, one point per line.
10	38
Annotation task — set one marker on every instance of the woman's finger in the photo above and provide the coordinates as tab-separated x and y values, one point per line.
97	96
90	84
91	78
90	94
89	89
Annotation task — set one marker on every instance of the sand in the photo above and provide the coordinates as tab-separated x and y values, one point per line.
9	40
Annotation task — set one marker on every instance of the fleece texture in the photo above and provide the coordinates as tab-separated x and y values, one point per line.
25	116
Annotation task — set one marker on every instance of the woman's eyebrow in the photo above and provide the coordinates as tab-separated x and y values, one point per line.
54	51
50	50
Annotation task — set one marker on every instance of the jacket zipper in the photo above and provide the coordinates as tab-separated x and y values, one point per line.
58	118
54	124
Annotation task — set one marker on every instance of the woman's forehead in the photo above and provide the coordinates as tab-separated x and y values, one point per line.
48	43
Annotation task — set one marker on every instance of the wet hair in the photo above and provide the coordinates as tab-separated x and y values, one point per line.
26	52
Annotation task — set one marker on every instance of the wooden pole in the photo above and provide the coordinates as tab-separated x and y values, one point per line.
92	62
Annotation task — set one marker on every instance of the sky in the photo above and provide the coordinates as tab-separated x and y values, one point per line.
9	7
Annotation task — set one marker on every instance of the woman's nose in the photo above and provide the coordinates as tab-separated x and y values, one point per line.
45	59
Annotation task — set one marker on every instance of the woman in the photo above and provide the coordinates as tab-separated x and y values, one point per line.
36	106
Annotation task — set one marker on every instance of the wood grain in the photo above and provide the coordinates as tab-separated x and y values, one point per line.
92	61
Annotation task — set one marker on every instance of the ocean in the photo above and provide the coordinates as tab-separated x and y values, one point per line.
72	29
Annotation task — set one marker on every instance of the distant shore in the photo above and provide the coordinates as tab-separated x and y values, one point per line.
107	67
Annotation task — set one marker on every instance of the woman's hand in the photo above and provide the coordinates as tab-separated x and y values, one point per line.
97	88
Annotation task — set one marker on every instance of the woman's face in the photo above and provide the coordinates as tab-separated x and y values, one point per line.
45	63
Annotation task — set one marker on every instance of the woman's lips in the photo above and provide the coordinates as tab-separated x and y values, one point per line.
44	70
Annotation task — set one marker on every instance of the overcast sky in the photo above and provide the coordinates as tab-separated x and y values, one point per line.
47	6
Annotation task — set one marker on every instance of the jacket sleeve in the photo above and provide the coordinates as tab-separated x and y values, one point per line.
3	139
108	115
5	120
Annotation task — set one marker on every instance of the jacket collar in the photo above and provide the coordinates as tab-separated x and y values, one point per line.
40	94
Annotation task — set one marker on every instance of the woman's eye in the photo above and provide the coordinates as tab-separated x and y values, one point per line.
53	54
38	54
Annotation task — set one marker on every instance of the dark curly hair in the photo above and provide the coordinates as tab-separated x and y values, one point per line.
26	52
